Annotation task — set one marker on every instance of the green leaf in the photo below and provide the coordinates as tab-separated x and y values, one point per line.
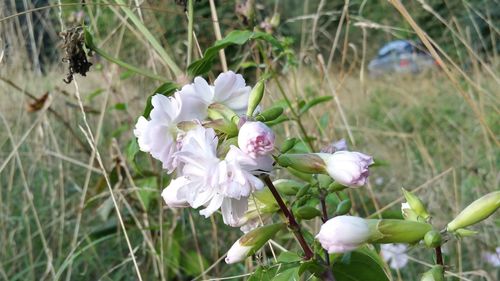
236	37
288	257
291	274
363	264
263	273
166	89
120	106
313	266
313	102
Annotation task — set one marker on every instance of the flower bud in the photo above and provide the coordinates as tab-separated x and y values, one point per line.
343	207
397	231
251	242
223	125
347	168
476	211
256	139
287	187
408	213
335	186
270	114
435	274
343	234
415	204
307	213
306	163
288	144
220	111
255	97
433	239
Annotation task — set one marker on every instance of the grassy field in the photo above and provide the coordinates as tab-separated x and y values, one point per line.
57	219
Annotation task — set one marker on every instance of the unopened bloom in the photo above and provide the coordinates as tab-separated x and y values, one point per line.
476	211
237	252
256	139
348	168
395	255
343	234
252	242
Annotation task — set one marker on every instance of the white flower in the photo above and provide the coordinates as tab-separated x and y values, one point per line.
492	258
158	136
237	252
229	89
395	254
256	139
343	234
172	196
348	168
212	182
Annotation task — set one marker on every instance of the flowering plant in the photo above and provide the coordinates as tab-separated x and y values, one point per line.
216	142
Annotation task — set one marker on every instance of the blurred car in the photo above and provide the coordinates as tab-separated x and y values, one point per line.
401	56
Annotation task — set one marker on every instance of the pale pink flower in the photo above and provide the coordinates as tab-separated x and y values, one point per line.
395	255
256	139
343	234
348	168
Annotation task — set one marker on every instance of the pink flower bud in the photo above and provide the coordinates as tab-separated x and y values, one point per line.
348	168
343	234
256	139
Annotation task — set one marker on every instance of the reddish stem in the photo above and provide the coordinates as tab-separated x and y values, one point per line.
292	223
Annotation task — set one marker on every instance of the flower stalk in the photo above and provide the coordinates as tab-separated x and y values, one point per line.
292	223
439	256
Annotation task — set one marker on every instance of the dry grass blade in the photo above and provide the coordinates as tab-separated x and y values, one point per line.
91	140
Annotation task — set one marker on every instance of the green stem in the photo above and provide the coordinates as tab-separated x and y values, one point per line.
295	115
